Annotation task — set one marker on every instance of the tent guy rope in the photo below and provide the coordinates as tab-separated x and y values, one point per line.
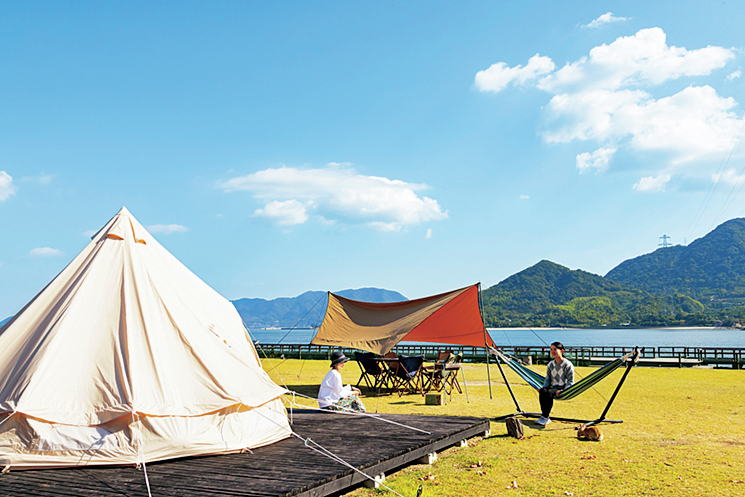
293	392
327	453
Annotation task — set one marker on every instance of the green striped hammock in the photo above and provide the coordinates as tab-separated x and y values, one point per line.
536	380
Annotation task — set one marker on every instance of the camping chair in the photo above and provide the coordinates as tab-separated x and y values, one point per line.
388	379
408	374
536	380
372	373
450	373
434	375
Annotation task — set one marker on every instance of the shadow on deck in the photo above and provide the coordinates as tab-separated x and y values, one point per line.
286	468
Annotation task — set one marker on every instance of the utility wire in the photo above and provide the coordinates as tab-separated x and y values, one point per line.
725	205
580	376
298	321
712	188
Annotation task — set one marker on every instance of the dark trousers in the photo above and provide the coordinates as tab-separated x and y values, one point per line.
546	398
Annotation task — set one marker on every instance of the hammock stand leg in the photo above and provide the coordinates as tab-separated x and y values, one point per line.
602	419
514	399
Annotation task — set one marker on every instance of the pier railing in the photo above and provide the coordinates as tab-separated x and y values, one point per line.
729	357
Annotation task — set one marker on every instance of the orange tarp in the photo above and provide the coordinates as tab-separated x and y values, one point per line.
452	318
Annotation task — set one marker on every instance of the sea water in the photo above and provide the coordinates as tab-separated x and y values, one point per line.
603	337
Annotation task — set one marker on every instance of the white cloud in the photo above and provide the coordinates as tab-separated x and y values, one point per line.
7	188
167	229
337	191
429	234
588	115
632	61
499	75
89	233
606	18
734	75
695	123
729	176
42	178
380	226
606	97
287	213
652	184
598	160
46	252
524	197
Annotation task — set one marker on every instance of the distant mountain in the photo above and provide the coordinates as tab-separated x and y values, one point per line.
710	269
304	311
550	294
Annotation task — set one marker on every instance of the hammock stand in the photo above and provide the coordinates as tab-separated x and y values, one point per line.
534	378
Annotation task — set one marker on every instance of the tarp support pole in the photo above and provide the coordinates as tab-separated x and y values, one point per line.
486	343
488	374
465	385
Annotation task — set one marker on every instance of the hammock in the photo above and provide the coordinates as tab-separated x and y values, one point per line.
536	381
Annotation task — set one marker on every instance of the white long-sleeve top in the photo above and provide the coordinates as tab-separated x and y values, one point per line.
332	389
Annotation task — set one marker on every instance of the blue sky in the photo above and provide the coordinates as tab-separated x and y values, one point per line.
280	147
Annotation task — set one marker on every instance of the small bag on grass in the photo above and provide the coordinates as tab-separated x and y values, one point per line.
515	428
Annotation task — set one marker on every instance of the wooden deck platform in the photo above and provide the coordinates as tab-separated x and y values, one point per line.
286	468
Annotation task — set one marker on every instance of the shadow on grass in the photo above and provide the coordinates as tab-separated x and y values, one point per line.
309	390
312	391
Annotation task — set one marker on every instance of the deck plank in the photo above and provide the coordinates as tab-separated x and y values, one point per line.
286	468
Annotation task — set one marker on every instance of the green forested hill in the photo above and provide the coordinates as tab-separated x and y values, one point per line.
710	269
698	284
550	294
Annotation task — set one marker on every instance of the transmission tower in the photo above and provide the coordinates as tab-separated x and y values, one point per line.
664	243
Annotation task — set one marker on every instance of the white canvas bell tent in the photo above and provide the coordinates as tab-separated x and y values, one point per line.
127	357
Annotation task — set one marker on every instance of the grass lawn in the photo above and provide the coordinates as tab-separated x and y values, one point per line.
683	434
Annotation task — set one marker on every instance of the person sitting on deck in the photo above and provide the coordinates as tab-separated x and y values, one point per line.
333	395
559	376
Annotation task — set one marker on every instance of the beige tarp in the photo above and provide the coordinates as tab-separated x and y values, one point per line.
452	317
128	356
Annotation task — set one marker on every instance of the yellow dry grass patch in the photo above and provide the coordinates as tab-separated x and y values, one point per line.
683	434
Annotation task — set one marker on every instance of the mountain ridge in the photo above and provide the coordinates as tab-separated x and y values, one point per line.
305	310
551	294
699	284
710	267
